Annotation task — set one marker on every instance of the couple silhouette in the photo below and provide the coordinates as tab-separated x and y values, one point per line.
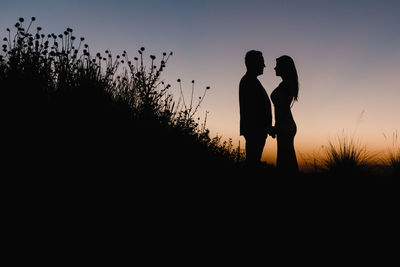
256	114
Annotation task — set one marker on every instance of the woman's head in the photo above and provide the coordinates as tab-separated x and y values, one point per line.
286	68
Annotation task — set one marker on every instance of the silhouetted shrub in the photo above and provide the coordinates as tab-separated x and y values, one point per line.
63	108
346	157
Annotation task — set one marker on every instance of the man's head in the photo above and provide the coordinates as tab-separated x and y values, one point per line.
254	61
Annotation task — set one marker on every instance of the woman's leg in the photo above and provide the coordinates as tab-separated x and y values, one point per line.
286	156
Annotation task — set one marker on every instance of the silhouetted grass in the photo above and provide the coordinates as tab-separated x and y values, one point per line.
65	109
347	156
393	154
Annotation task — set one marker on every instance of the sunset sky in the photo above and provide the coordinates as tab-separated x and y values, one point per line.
347	55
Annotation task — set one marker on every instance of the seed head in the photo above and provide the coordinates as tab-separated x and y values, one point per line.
21	20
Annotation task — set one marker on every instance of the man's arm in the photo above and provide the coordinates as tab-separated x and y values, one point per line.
246	105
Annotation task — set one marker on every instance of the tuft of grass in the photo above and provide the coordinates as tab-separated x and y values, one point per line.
313	162
393	154
346	155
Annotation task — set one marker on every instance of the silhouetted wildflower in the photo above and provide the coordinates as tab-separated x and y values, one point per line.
60	68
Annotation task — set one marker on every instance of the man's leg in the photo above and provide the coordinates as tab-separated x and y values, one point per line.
254	148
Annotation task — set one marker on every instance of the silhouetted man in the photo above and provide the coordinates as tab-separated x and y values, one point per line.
255	108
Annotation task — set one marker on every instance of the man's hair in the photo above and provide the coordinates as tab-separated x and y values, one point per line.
251	57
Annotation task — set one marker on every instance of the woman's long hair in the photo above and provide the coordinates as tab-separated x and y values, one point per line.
289	73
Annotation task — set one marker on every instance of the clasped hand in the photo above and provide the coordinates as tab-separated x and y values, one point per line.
272	132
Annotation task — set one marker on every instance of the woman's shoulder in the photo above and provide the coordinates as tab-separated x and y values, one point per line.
282	93
287	87
287	84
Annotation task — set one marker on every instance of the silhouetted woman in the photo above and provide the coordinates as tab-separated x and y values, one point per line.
283	98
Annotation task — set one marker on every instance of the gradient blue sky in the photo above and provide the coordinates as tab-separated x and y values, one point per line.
347	55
